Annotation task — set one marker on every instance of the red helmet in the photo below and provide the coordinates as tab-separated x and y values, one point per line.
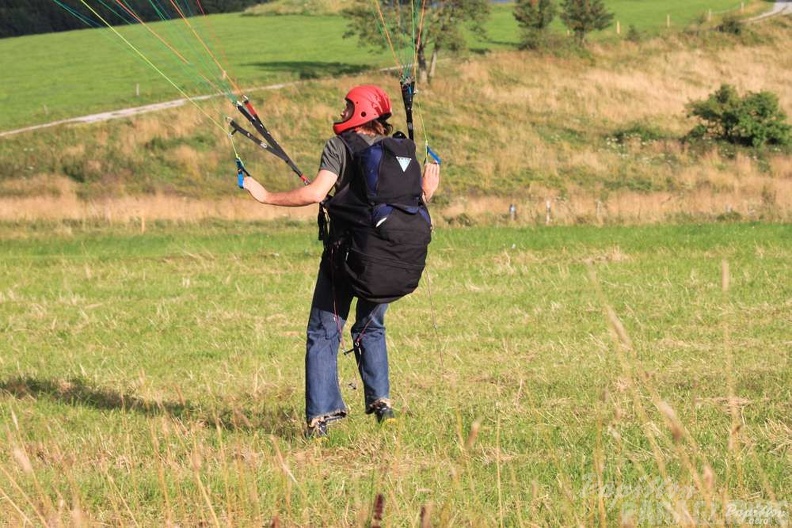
368	102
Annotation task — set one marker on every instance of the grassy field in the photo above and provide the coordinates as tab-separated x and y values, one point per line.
80	72
655	17
544	376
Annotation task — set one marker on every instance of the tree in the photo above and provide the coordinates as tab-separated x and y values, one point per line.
754	120
584	16
533	17
414	32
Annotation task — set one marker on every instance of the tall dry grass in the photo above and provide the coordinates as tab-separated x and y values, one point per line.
553	117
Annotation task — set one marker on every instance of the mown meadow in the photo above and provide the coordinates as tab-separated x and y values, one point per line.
556	376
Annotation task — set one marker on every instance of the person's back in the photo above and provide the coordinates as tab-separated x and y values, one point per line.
379	219
367	111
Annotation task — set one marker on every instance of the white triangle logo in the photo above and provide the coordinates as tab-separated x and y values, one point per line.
404	162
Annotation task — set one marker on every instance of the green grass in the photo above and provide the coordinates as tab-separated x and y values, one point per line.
157	377
80	72
651	16
647	17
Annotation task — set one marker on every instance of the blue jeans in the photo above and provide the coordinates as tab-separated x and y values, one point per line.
329	310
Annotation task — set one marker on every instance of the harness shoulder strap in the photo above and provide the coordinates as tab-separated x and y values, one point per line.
353	142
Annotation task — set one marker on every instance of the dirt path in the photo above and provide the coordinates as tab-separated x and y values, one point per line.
781	7
104	116
127	112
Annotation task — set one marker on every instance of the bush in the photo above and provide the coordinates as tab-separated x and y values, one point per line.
731	25
644	132
634	35
754	120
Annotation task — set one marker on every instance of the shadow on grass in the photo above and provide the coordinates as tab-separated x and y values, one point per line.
278	419
311	69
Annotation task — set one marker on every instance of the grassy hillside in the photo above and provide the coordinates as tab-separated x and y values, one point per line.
78	72
594	137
